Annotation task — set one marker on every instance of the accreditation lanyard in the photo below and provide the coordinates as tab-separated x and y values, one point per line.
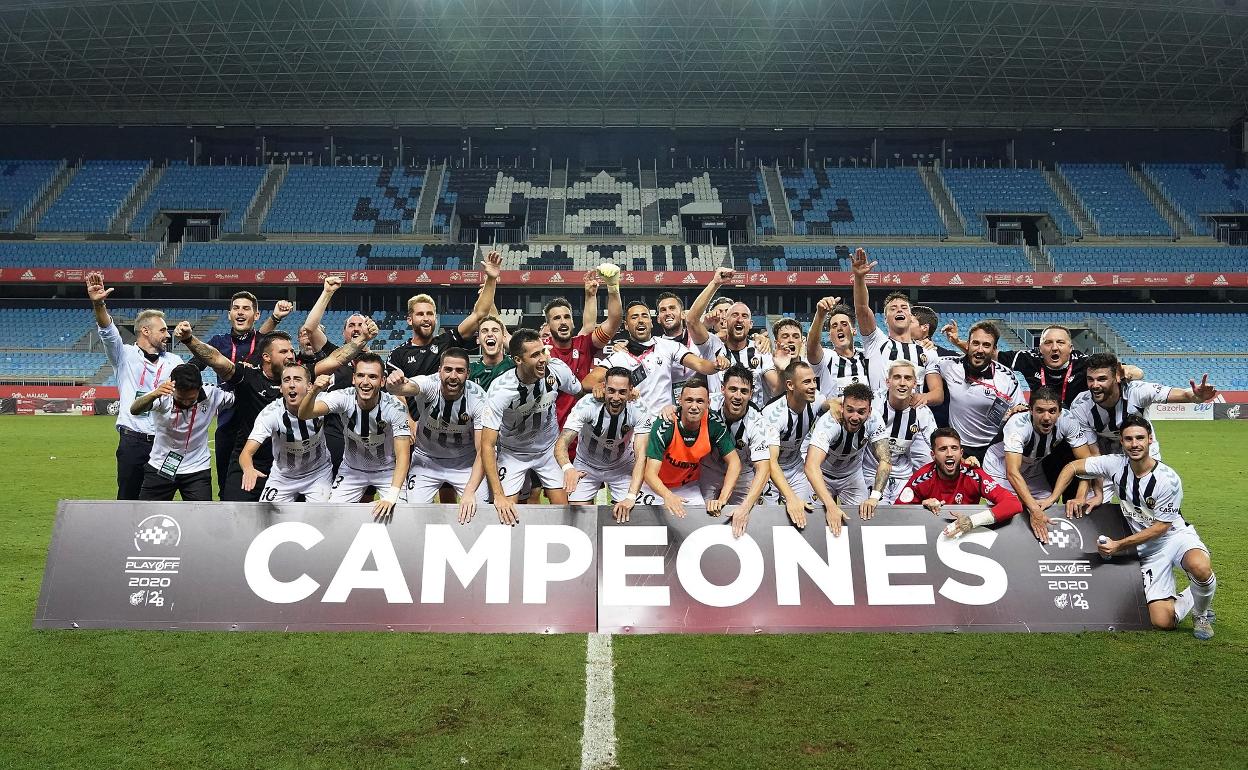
190	426
1065	380
155	379
234	348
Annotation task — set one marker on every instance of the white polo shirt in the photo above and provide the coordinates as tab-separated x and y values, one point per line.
185	431
136	375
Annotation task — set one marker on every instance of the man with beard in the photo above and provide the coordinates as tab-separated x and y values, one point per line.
843	364
882	348
605	450
734	406
302	463
908	430
1015	459
419	355
834	457
652	362
1150	494
519	426
578	351
673	325
242	343
981	392
446	446
138	369
492	335
182	407
254	387
948	481
676	449
735	343
789	420
378	449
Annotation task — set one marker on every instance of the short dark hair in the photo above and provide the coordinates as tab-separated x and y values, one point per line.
1135	421
1103	361
843	309
1044	393
634	303
790	371
741	373
670	295
782	323
926	317
279	370
892	295
369	357
696	381
554	303
452	352
272	337
720	300
987	327
858	391
946	432
186	377
1057	326
618	371
255	303
519	339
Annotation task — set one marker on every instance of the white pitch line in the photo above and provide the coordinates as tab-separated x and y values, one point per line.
598	737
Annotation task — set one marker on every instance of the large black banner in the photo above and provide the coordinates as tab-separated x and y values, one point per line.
251	566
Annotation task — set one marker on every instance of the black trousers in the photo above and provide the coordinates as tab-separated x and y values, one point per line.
232	488
1053	464
191	486
224	449
133	451
977	452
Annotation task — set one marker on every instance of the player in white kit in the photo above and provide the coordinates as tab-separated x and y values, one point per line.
734	406
907	429
882	348
834	457
734	343
1016	459
448	410
377	448
1150	494
789	420
606	450
302	462
842	364
519	426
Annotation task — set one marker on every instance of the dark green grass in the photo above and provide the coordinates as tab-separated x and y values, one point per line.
942	700
146	700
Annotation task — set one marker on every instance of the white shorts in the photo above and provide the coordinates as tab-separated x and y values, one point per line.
712	484
512	471
350	485
1157	564
315	487
1033	474
689	494
427	476
596	478
848	489
892	488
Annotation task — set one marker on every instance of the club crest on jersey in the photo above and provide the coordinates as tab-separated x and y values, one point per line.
755	361
957	499
741	445
463	419
1150	502
550	380
914	428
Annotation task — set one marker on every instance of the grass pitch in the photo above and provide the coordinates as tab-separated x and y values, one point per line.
149	700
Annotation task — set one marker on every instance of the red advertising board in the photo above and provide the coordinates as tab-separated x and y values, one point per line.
966	280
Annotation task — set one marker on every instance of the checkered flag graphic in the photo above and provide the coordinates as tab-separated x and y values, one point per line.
156	535
1060	538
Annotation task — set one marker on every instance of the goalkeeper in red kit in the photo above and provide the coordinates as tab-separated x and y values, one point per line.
947	481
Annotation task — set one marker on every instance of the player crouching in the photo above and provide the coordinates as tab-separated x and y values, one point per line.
947	481
1150	494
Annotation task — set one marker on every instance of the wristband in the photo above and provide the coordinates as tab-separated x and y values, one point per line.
875	494
568	467
391	495
982	518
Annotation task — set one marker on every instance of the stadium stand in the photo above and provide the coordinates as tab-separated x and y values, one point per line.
1186	333
1200	259
1200	189
227	189
603	204
502	191
94	196
866	201
95	254
21	184
345	199
891	258
1117	205
342	256
981	191
582	257
677	188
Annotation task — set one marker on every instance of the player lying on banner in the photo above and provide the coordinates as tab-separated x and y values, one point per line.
908	430
1016	458
302	465
733	404
182	407
947	480
834	456
446	448
1150	495
608	452
378	442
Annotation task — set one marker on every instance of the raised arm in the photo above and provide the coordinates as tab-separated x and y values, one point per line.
615	313
98	294
492	267
862	298
1196	394
312	324
589	312
698	333
349	350
814	337
280	311
309	406
223	366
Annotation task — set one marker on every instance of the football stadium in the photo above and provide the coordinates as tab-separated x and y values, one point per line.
623	384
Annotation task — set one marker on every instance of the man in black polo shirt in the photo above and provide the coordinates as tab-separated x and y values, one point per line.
420	354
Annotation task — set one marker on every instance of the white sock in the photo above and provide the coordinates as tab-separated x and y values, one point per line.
1183	604
1202	593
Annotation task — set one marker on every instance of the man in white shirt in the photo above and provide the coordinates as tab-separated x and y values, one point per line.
789	420
879	347
606	451
302	458
834	456
908	430
139	368
182	408
733	342
733	404
842	364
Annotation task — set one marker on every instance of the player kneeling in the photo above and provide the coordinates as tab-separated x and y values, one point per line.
605	451
947	481
377	448
1150	494
302	463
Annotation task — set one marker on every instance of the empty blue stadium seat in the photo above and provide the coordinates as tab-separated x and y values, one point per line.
1115	202
227	189
94	196
981	191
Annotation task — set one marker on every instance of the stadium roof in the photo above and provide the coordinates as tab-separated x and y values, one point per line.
626	62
